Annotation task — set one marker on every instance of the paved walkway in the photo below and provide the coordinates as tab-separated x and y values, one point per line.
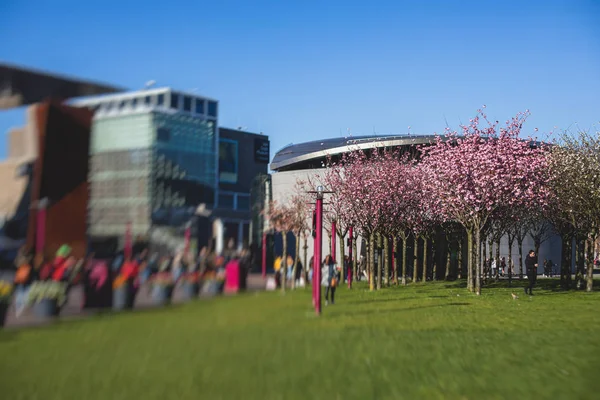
72	310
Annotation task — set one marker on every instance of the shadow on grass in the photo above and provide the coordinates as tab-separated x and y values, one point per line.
91	315
387	300
395	310
8	335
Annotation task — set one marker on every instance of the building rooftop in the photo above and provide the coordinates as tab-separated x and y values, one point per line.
24	86
163	99
317	149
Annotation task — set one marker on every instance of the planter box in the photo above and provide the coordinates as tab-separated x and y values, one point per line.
46	308
190	290
162	295
212	287
120	298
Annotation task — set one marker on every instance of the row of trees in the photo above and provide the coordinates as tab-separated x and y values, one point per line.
481	183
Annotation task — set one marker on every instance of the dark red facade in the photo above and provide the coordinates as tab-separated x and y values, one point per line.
60	175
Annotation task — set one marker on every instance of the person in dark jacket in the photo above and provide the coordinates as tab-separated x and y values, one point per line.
531	263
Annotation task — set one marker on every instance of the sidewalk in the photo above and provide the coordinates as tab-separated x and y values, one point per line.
73	311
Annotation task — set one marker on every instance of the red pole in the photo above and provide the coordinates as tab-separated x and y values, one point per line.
264	255
314	266
333	236
314	279
40	235
349	271
318	249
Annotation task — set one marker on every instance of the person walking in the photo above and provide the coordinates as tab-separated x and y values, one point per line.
329	279
531	263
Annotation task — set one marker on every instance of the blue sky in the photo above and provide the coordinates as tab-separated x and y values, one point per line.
304	70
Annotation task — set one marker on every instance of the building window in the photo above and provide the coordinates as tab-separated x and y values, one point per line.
134	102
121	105
225	200
187	103
199	106
212	108
147	100
163	134
228	160
174	101
243	203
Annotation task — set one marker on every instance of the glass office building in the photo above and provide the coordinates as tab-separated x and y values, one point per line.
153	160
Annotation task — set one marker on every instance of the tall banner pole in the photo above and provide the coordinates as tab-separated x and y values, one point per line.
315	264
318	247
349	269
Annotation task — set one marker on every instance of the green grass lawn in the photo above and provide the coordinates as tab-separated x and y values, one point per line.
425	341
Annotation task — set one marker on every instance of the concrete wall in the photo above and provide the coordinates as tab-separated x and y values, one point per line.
60	175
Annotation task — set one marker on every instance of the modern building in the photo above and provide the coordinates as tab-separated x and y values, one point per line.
149	161
243	161
21	86
306	161
47	162
153	161
159	164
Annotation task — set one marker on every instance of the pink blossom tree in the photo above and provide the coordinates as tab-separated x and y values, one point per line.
476	173
282	219
358	182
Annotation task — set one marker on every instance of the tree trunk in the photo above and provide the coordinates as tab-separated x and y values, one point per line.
404	258
520	244
394	254
371	261
425	261
484	257
386	262
565	267
491	247
511	241
433	260
415	260
296	260
590	264
459	263
448	257
478	269
306	266
470	260
498	258
342	257
354	260
283	267
579	262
